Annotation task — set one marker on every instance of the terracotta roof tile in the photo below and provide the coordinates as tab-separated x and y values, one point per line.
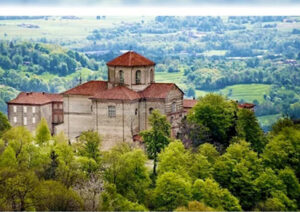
246	105
117	93
130	59
90	88
189	103
157	90
36	98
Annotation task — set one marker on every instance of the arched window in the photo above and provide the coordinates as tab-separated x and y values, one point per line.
151	76
138	77
121	76
173	107
150	110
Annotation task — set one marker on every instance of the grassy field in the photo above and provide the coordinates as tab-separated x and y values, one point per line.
267	121
246	92
171	77
67	32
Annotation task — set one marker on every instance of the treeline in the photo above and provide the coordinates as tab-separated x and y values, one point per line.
223	162
39	58
25	66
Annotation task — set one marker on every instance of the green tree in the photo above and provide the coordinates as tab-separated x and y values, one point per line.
157	137
209	151
291	182
8	158
210	193
18	190
171	191
195	206
111	200
236	170
4	124
43	134
283	150
54	196
90	145
218	115
249	129
126	169
280	124
17	138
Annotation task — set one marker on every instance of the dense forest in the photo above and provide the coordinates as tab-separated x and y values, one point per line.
232	55
40	67
221	161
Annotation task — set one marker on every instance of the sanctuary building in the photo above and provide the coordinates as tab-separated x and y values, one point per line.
118	109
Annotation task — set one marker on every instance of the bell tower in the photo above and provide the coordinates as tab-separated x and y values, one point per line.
132	70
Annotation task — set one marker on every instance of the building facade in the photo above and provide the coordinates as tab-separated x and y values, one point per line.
118	109
28	108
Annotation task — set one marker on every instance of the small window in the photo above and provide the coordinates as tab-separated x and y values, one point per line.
15	119
138	77
15	109
173	107
60	106
55	118
25	109
171	119
136	111
55	106
33	120
111	111
121	76
151	76
33	109
150	110
25	120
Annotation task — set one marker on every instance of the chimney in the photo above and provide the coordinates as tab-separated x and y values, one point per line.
194	98
43	93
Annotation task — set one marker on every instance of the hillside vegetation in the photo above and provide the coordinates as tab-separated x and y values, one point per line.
248	58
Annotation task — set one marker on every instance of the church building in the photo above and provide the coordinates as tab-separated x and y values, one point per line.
118	109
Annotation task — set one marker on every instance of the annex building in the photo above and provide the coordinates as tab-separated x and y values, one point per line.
118	109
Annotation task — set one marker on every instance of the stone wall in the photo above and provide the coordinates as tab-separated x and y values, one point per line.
116	129
77	115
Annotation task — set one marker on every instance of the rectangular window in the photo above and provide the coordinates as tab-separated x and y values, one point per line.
33	120
60	106
15	119
55	118
15	109
111	111
25	109
33	109
25	120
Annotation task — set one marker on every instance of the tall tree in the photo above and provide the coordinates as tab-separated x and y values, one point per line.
90	145
249	129
156	138
43	134
218	115
4	124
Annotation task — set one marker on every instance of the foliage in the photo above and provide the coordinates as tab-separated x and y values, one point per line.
90	145
283	150
43	134
195	206
249	129
4	124
218	115
171	191
210	193
157	137
126	170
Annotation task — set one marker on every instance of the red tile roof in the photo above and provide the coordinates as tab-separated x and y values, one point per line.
158	90
90	88
189	103
137	138
36	98
130	59
246	105
117	93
